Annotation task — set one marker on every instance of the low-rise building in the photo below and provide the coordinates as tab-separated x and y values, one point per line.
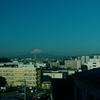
21	65
48	75
39	64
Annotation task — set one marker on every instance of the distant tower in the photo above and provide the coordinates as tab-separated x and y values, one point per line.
71	58
79	58
34	56
83	59
87	59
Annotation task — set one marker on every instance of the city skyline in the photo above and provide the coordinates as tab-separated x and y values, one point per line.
54	26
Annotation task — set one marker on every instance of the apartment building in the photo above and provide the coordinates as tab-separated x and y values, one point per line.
29	65
54	64
73	64
17	76
86	59
93	63
39	64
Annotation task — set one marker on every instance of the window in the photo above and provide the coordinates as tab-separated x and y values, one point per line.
53	74
33	82
97	99
94	65
25	70
84	89
33	78
24	74
89	67
90	97
79	94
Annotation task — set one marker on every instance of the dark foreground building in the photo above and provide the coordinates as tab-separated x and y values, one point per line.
87	85
63	89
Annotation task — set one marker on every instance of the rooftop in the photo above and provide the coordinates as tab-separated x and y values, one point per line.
89	75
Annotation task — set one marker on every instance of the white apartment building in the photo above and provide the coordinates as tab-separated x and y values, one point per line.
38	64
95	57
83	59
86	59
55	64
93	63
73	64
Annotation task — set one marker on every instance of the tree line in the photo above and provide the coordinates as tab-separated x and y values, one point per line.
4	60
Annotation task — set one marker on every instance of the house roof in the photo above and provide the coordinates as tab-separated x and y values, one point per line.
89	75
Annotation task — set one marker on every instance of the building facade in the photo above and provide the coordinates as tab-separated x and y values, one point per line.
73	64
17	76
93	63
83	59
21	65
54	64
87	59
39	65
87	85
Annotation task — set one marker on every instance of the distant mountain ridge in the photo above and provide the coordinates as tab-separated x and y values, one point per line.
38	55
41	54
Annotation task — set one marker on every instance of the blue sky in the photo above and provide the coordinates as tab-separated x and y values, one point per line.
60	27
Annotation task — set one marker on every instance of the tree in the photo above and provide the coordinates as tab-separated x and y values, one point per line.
3	81
84	68
55	68
5	60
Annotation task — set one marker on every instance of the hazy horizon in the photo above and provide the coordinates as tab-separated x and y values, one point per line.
18	54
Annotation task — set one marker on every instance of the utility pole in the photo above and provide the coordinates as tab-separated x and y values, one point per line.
24	89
